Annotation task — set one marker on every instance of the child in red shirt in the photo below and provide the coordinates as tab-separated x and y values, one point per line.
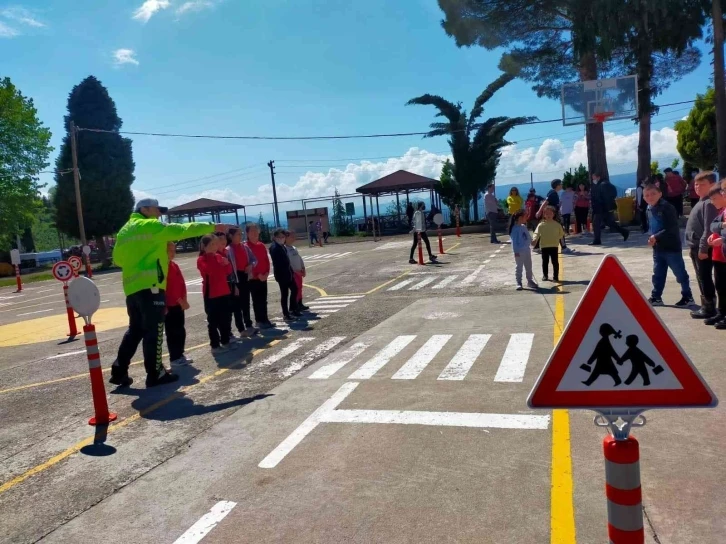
258	276
242	261
176	305
716	243
215	271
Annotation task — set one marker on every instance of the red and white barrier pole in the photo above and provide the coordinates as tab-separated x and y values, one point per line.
72	330
17	279
98	390
89	268
622	489
441	242
458	228
420	250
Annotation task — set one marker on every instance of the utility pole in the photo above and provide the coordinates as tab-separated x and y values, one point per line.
718	84
77	183
275	212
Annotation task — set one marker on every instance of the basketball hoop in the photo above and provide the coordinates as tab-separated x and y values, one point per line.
602	116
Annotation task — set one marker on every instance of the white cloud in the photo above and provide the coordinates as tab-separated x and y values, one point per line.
194	5
125	56
149	8
21	15
7	31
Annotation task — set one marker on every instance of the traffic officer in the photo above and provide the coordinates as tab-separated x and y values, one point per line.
141	253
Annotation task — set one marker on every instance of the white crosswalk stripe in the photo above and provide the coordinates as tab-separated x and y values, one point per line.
284	352
446	281
336	361
459	366
308	357
400	285
422	284
326	256
425	354
514	362
369	369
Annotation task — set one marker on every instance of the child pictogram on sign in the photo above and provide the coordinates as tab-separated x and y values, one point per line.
638	359
604	357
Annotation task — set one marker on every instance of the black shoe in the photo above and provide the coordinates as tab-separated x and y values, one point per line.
714	320
595	244
655	301
626	235
120	377
545	278
685	301
296	314
411	261
289	319
556	279
704	312
432	258
303	307
163	379
721	325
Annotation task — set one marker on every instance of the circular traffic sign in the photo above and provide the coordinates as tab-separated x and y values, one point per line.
75	262
84	297
438	219
86	250
62	271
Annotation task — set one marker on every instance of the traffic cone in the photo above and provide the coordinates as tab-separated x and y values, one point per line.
441	243
98	390
420	250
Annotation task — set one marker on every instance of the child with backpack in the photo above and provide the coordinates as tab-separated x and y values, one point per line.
549	233
216	271
521	240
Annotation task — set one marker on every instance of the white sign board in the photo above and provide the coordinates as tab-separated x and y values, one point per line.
15	256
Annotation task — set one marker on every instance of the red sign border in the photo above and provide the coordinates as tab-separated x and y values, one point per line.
609	274
56	265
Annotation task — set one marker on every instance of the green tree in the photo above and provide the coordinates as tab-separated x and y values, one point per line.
654	168
24	150
265	235
341	224
448	188
574	179
476	146
105	163
697	133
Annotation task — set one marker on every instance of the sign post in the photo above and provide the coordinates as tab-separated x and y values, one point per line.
63	272
85	299
438	220
618	358
15	260
87	253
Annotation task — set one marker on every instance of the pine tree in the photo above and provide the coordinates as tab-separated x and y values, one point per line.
105	164
340	223
697	133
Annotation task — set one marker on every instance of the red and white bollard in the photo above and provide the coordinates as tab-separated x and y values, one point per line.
72	330
622	489
441	242
89	268
98	390
420	250
17	279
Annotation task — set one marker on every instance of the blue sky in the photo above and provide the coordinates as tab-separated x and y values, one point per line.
280	68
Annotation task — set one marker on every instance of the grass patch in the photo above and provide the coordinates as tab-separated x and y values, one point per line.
27	278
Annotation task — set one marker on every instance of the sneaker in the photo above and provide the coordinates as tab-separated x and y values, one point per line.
532	285
685	301
411	261
519	287
433	258
626	235
545	278
161	379
181	361
120	377
704	313
220	350
721	325
655	301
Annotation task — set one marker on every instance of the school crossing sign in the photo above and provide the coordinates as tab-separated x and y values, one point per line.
616	353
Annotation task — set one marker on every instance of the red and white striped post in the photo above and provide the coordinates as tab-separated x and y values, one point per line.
98	390
441	242
89	268
72	330
420	250
622	489
17	279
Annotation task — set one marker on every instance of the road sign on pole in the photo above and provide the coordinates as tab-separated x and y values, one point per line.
76	264
616	353
62	271
15	260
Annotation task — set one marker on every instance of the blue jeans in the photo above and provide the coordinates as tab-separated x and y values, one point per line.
662	261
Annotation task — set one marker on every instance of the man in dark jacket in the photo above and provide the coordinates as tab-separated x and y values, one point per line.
284	276
602	195
665	239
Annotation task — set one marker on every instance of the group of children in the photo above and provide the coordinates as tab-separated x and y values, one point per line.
234	271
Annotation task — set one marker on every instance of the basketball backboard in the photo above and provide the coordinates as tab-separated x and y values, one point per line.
600	100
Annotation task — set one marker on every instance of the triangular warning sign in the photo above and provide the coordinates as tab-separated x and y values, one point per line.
616	353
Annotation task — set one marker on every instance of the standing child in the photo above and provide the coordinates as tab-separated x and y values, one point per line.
242	261
549	233
531	206
567	206
258	276
298	267
521	240
582	208
665	239
215	271
284	276
715	241
176	305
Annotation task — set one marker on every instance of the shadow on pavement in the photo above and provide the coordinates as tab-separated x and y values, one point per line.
99	448
184	407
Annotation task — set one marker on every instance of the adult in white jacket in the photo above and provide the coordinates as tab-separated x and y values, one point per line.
419	226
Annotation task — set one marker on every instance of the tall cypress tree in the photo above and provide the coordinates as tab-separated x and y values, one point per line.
105	163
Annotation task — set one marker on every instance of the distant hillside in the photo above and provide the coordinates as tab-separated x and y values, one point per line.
621	181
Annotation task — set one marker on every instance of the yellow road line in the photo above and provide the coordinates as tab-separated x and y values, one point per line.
381	286
562	509
457	244
121	424
318	289
77	376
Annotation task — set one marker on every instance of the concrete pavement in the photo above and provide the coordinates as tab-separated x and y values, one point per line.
406	408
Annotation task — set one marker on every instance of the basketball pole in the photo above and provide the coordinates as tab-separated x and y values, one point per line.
77	183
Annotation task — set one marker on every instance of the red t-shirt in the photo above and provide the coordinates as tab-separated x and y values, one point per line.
240	256
263	259
175	286
676	185
716	251
214	275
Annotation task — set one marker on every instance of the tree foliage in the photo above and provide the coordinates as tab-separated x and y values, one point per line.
448	187
697	133
105	163
342	225
476	146
574	179
24	150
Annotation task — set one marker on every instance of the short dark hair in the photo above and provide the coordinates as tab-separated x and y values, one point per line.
250	226
651	187
206	240
666	170
708	176
714	191
278	232
676	172
555	183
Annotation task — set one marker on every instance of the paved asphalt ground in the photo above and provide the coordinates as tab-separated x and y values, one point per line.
347	427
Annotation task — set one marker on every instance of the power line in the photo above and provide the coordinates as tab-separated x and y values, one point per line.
177	184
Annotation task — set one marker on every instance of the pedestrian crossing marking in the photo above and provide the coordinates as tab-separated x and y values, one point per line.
401	285
459	366
284	352
326	256
514	362
310	356
321	306
369	369
334	362
471	278
446	281
425	354
422	283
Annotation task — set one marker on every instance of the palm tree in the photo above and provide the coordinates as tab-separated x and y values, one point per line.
476	146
